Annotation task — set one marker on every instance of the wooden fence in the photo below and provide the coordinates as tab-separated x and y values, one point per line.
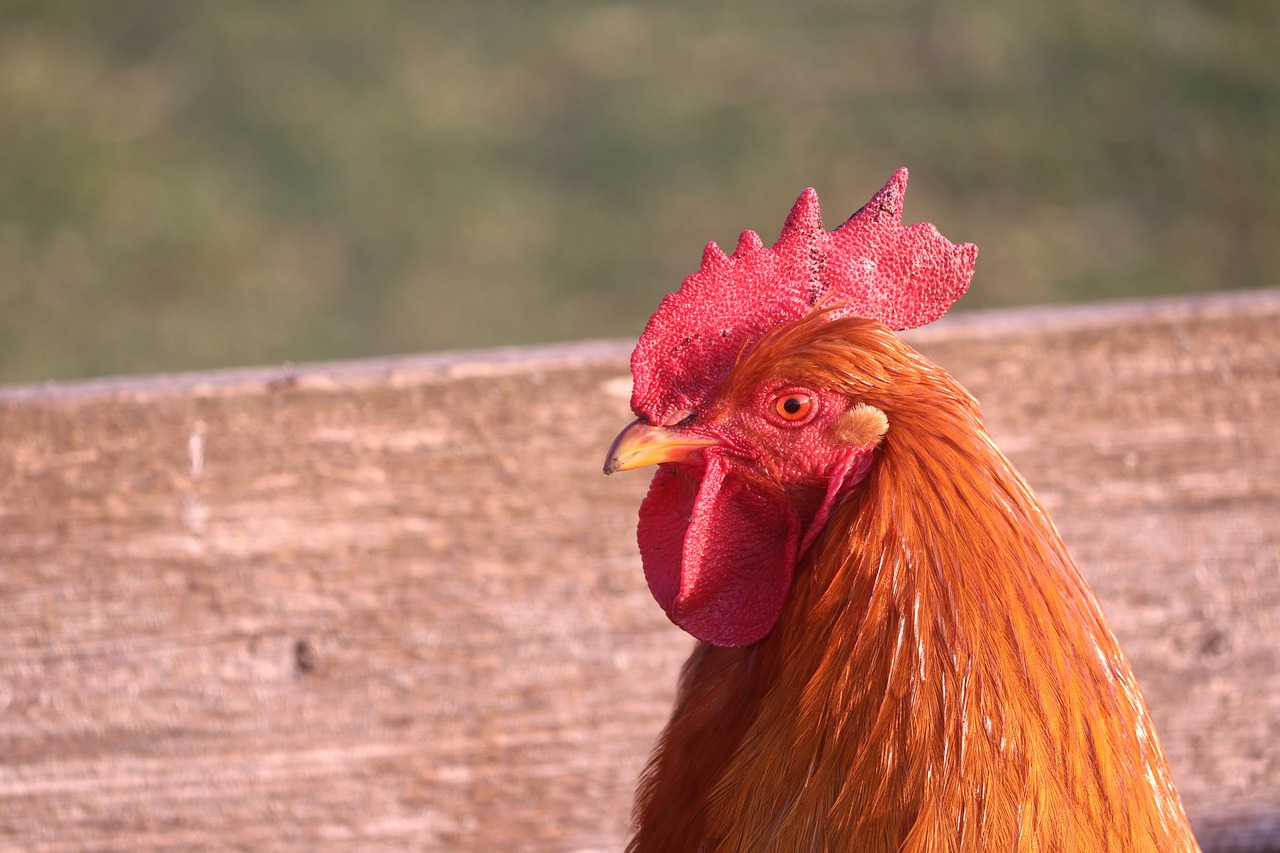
394	605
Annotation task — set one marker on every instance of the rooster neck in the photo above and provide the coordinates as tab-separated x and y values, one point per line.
940	671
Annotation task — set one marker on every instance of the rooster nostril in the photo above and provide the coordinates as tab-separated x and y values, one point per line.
684	417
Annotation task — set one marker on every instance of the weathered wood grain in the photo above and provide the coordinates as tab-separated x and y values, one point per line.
394	605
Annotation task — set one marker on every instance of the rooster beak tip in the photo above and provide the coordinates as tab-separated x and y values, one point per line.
641	444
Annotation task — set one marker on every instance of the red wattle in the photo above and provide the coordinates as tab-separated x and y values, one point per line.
719	551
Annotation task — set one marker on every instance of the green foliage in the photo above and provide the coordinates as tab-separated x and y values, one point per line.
188	184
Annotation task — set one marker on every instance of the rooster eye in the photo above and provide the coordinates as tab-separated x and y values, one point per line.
793	407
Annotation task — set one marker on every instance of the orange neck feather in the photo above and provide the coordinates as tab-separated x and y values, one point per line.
941	679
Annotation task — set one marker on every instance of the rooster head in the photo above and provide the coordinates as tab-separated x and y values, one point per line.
754	447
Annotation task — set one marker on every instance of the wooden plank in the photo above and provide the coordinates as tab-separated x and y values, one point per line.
393	605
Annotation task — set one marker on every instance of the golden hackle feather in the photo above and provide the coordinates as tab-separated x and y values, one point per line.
941	678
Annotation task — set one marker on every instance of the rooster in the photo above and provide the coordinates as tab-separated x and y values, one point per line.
897	652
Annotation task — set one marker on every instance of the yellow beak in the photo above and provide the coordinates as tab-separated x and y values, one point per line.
642	444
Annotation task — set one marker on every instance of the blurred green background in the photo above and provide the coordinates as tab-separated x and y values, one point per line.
197	184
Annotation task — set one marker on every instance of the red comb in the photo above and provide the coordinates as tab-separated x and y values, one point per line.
870	266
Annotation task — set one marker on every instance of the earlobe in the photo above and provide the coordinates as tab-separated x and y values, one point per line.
861	425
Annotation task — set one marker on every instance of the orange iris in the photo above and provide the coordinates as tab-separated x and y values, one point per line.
793	407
